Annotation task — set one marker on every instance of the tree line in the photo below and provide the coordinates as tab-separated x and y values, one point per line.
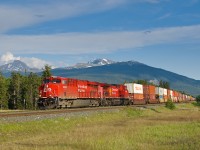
163	84
21	91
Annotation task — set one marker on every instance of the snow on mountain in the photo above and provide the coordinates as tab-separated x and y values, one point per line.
93	63
101	62
128	71
17	66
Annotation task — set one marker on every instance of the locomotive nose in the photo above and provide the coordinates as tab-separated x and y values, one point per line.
46	91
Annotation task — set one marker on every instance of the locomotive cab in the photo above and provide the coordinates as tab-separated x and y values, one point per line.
49	88
49	91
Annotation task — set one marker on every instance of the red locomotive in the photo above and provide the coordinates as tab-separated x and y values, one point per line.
60	92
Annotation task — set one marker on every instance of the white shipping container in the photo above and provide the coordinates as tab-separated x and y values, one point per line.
138	88
159	91
171	93
129	87
134	88
165	92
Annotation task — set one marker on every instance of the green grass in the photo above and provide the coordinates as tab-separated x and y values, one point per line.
151	129
196	104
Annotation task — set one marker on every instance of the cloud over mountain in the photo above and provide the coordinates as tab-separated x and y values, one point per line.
8	57
31	62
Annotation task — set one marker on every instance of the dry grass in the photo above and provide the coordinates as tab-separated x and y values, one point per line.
157	128
2	111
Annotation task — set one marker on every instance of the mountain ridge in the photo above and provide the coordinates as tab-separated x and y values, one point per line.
92	63
121	72
103	70
17	66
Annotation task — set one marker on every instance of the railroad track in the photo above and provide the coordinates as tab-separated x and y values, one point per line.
57	111
70	110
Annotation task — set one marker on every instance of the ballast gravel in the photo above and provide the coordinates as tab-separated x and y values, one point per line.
52	116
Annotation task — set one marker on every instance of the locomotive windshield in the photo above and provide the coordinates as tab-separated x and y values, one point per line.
56	81
51	81
46	81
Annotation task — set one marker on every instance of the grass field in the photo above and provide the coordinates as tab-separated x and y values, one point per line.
147	129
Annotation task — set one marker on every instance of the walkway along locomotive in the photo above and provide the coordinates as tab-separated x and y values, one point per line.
60	92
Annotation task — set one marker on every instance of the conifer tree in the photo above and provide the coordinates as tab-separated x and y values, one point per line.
164	84
3	92
15	88
46	71
30	87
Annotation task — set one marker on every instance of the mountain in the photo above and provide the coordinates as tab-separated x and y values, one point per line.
95	62
17	66
100	62
104	70
120	72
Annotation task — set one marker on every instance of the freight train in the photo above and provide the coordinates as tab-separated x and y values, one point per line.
60	92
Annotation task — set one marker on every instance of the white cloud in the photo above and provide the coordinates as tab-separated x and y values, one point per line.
99	42
32	62
16	16
7	58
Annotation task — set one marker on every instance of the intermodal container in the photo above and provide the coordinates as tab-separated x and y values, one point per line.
180	97
169	94
164	91
159	91
161	99
134	88
175	96
137	98
150	93
165	95
184	97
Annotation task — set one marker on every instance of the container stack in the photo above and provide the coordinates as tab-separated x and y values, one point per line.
160	94
150	94
165	94
135	93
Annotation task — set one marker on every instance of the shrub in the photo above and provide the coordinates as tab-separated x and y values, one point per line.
198	99
133	112
170	105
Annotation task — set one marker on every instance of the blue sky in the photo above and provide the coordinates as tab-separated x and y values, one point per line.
159	33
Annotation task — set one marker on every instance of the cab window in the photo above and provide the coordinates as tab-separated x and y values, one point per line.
56	81
46	81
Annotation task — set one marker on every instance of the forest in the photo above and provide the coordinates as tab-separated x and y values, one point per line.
21	91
